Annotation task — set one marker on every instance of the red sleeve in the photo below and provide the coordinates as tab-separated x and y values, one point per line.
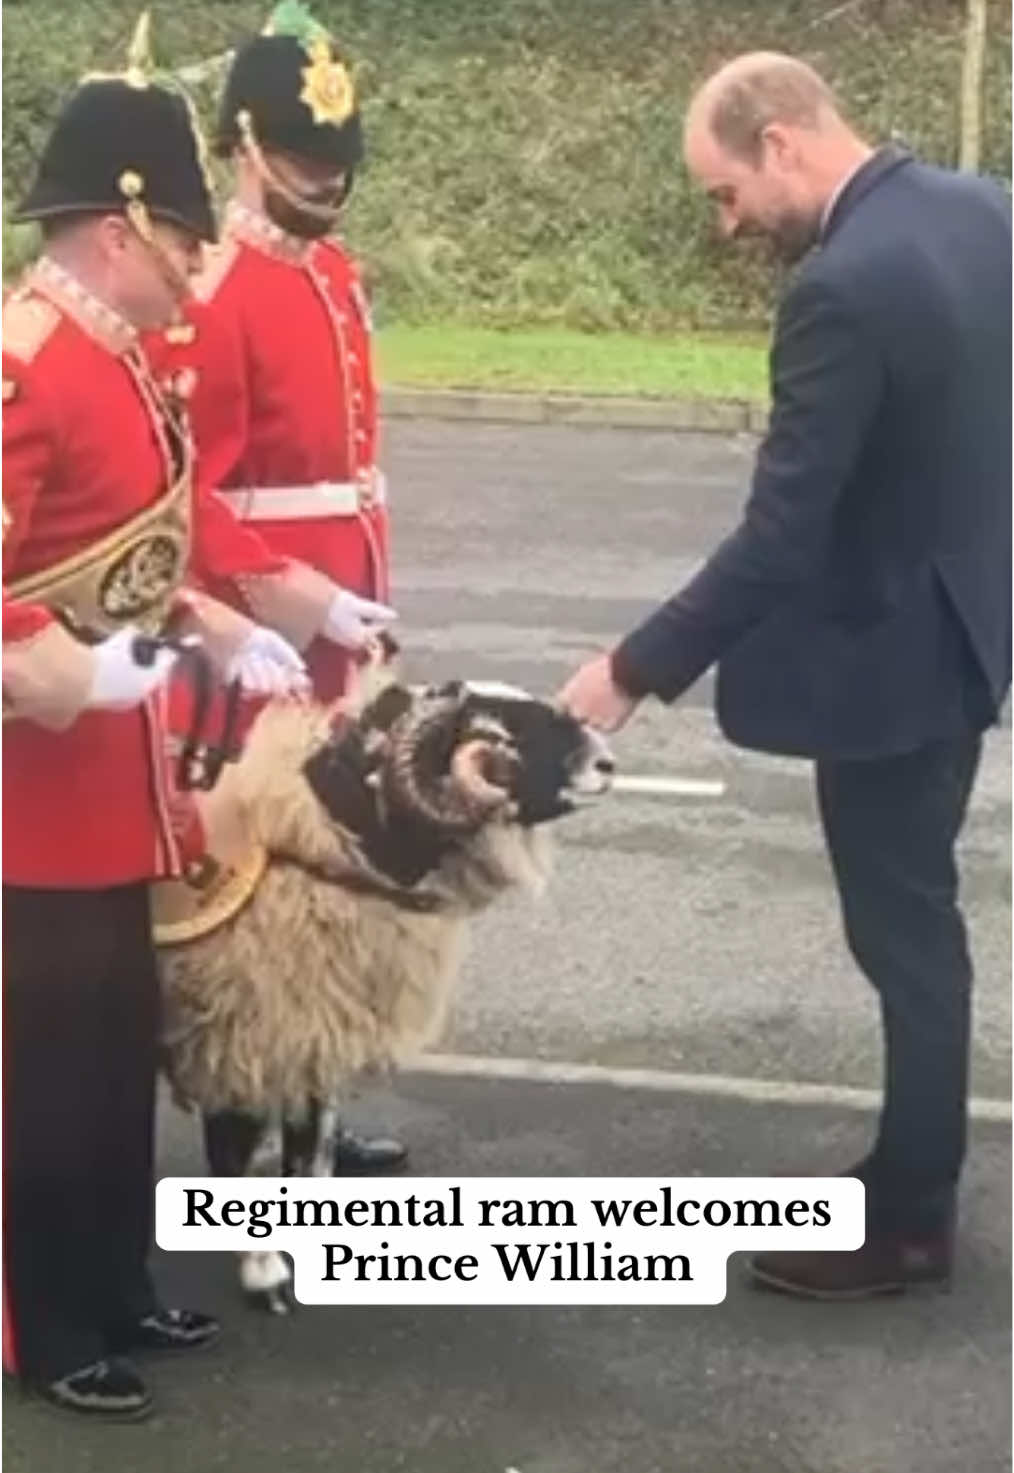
28	453
21	620
224	548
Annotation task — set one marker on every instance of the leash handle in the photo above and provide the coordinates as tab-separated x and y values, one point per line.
201	758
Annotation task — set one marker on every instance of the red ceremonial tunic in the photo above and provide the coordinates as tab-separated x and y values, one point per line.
84	452
297	412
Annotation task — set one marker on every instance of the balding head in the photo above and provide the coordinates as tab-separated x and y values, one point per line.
754	91
766	139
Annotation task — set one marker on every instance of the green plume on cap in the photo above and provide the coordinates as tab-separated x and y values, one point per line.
291	18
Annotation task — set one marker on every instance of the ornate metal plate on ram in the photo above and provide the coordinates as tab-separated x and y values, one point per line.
210	894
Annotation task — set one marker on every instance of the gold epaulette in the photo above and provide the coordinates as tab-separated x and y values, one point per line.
28	321
218	261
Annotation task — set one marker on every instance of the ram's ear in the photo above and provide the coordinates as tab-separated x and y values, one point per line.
386	708
338	775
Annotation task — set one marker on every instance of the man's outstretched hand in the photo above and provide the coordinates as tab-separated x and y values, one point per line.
593	696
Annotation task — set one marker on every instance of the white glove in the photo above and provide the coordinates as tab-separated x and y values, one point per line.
118	681
353	622
267	665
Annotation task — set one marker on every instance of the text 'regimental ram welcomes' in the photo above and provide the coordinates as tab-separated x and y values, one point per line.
510	1240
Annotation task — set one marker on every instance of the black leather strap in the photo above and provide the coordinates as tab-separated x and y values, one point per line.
201	759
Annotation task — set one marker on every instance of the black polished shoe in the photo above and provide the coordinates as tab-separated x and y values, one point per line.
351	1155
108	1390
167	1329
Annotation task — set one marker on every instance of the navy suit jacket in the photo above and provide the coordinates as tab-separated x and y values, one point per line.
862	607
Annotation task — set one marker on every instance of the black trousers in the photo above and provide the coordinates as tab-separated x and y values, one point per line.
891	827
80	1039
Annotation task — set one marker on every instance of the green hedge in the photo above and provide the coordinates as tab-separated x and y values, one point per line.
525	154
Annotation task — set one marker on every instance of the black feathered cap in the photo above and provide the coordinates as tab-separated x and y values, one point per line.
293	90
125	143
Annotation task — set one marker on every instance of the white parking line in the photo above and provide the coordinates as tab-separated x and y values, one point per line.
668	787
663	1081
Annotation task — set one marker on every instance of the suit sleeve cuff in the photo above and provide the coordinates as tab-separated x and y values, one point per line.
661	657
640	662
627	674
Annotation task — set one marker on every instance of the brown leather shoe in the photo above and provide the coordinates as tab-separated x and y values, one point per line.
883	1265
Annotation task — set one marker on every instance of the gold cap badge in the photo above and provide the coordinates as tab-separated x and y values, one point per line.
327	87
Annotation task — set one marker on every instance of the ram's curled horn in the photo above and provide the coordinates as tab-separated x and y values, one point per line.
415	778
451	779
482	771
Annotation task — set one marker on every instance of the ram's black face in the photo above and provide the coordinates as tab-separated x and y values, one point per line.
392	776
557	761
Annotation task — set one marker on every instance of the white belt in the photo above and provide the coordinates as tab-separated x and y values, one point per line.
301	503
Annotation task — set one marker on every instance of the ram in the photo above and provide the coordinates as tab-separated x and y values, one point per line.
325	939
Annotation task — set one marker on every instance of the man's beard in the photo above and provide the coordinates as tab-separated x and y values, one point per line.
299	222
792	235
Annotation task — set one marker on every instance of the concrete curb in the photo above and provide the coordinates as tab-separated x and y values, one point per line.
717	416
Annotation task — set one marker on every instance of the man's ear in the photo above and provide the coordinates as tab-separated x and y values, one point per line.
779	145
113	234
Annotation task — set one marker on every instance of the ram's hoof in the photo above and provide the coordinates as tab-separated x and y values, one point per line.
277	1301
266	1280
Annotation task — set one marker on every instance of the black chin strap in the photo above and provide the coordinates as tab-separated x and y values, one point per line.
327	213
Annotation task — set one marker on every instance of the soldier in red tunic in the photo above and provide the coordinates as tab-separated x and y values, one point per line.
285	407
294	440
101	527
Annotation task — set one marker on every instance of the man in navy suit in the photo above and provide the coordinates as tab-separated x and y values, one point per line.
860	612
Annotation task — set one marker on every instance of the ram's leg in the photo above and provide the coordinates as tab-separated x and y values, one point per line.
231	1138
301	1138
